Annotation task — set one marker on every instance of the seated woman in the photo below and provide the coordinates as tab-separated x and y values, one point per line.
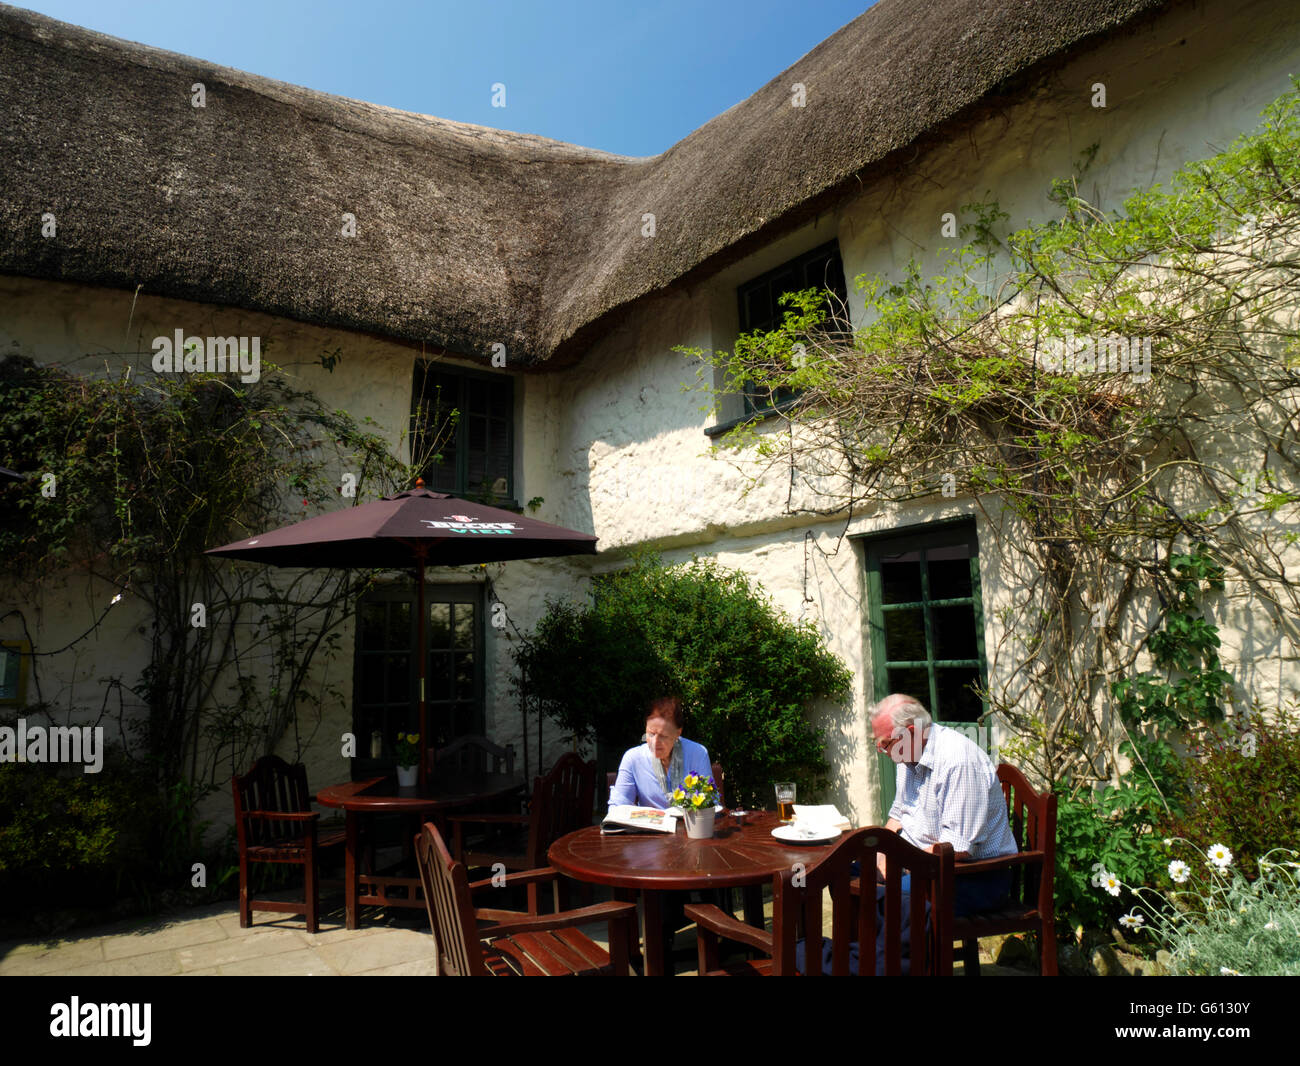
651	771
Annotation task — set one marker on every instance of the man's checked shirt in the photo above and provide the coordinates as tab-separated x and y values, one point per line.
952	794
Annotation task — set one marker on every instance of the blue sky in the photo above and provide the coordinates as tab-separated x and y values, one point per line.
624	77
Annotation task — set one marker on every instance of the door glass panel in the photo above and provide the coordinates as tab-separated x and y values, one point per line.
957	699
900	578
905	635
954	632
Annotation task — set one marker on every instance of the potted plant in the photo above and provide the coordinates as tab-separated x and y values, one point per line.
408	759
697	798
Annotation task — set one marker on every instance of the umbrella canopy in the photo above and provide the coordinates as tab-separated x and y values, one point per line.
411	529
391	534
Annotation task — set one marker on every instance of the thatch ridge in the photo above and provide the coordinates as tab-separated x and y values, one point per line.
467	236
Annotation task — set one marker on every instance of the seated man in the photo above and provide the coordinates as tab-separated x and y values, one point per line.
947	791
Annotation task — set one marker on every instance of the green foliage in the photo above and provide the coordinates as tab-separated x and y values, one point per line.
1002	369
148	473
1224	923
57	830
745	672
1120	826
1244	787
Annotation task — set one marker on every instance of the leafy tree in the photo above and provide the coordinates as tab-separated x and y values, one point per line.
747	674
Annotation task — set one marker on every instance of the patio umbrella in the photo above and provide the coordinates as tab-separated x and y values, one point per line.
11	475
413	528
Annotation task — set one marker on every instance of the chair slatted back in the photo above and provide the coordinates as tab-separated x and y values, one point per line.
271	785
451	911
562	802
798	894
1033	823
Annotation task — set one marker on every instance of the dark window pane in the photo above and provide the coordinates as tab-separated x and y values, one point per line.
476	395
957	701
900	578
465	626
949	572
905	635
500	403
439	635
371	625
464	675
438	683
911	681
954	630
399	625
476	426
399	678
372	679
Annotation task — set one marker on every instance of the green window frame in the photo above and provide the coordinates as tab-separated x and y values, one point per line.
926	625
761	311
472	416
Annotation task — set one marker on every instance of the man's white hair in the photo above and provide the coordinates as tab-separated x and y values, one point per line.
902	711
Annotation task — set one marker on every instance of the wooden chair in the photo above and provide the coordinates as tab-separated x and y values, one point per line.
472	755
562	802
797	894
481	942
1033	872
275	824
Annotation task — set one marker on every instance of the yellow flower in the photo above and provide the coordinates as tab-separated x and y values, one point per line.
679	797
698	801
689	780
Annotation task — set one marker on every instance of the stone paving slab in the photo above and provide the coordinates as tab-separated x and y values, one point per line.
208	941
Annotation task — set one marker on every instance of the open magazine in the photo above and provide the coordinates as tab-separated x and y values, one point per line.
629	819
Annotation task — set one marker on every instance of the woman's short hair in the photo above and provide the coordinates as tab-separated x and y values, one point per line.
669	708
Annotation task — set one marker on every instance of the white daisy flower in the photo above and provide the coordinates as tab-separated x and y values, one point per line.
1111	884
1219	856
1132	921
1225	972
1270	925
1179	871
1169	842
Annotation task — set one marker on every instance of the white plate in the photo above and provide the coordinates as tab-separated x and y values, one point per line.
794	835
682	814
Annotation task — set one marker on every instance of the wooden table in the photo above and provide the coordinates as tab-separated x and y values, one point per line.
654	863
381	795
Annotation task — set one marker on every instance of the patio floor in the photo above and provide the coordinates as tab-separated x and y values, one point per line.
209	941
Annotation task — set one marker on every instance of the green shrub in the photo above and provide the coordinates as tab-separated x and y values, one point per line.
1244	788
746	673
63	832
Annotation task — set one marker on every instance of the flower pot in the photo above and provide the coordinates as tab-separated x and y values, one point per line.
407	775
699	824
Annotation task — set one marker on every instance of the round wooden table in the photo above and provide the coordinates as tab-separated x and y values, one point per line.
654	863
381	795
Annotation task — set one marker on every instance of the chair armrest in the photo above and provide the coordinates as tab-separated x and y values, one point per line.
526	877
511	922
707	916
1004	862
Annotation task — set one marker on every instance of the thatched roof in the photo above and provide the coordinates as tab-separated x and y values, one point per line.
466	236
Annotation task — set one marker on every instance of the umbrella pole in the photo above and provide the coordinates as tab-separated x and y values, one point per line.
419	651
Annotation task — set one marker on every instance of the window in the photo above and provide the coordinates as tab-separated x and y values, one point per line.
468	419
384	674
761	309
927	627
14	655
